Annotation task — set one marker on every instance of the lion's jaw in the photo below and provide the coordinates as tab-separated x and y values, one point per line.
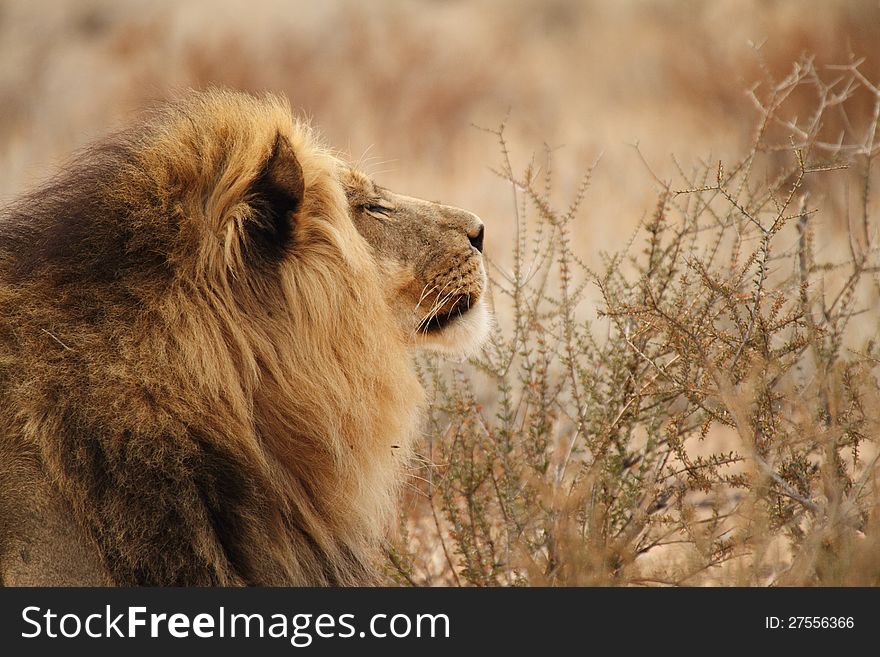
462	330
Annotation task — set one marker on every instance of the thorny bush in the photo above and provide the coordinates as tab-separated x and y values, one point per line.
716	420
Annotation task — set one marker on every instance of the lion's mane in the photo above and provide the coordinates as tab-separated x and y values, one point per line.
196	355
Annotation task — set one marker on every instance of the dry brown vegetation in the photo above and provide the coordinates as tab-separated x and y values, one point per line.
682	388
721	414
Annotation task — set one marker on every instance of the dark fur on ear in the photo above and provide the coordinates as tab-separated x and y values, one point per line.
276	195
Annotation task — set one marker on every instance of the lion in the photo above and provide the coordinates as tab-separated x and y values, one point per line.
207	326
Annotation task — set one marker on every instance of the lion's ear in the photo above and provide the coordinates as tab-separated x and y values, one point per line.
276	195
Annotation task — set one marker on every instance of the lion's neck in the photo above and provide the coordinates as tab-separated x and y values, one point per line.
341	454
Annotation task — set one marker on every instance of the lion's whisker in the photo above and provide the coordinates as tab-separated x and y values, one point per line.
425	292
438	303
434	307
438	306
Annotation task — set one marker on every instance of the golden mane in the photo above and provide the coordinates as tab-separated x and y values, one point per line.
213	412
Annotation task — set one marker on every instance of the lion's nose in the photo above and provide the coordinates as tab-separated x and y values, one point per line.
476	238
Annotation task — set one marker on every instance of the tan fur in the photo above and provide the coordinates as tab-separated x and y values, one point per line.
191	395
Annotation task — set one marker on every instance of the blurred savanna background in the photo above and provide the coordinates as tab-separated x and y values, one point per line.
682	234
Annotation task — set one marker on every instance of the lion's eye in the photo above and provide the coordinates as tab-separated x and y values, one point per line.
375	209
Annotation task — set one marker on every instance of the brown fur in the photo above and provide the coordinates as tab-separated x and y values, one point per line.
205	375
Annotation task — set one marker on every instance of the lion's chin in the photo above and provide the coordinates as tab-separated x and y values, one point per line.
460	335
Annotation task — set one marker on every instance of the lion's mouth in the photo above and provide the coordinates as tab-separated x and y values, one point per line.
443	318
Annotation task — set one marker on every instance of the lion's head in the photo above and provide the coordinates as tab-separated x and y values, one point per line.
206	330
431	257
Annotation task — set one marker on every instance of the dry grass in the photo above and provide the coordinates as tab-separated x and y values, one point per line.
696	406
